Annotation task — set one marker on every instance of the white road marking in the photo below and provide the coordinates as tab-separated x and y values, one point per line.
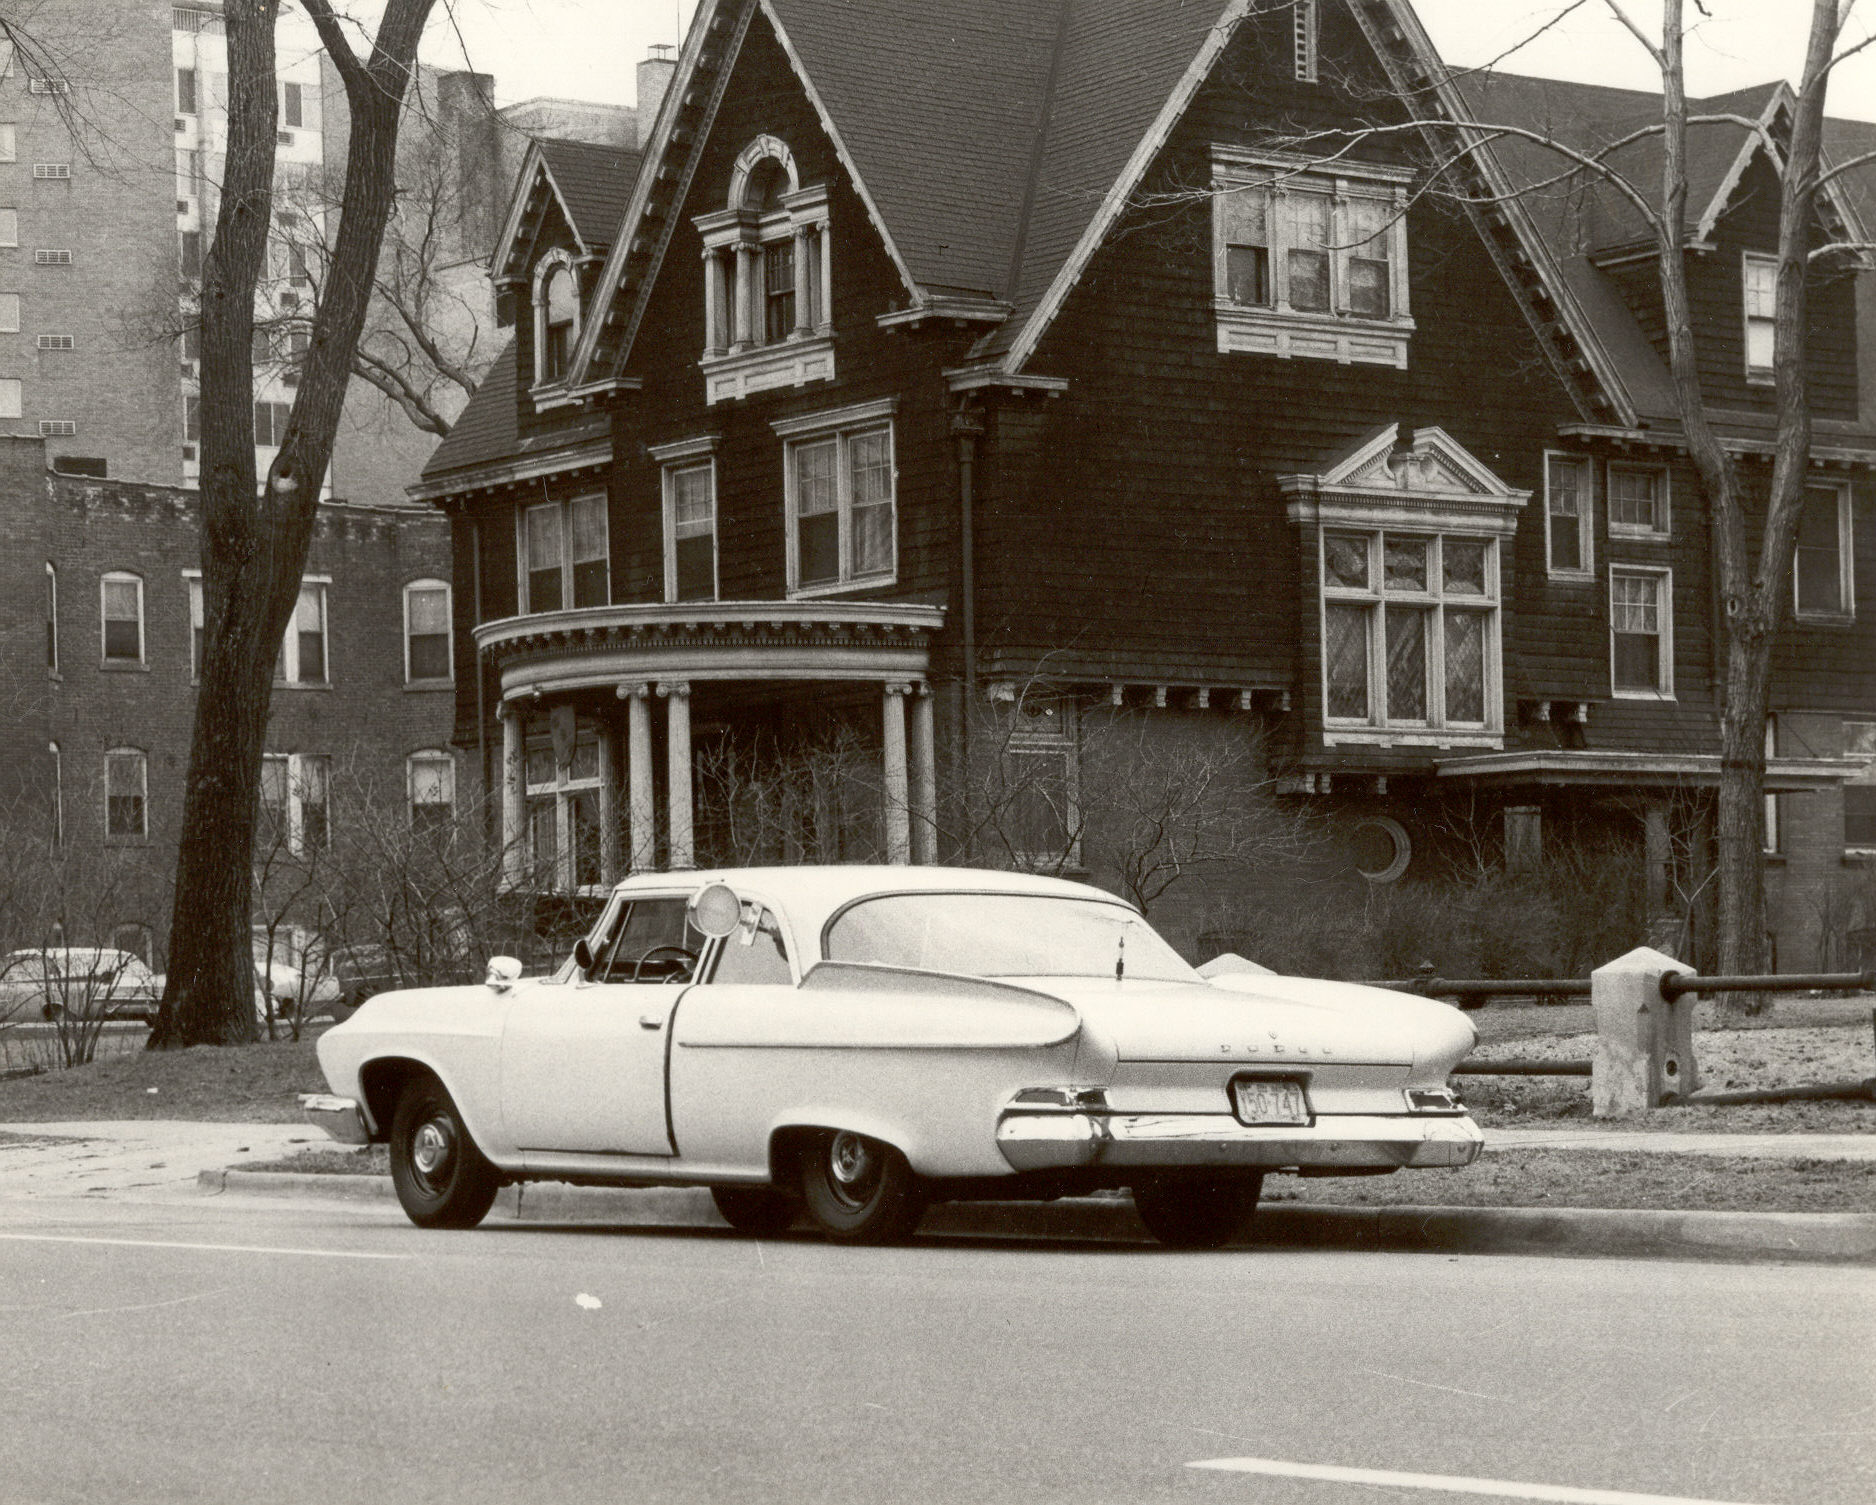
146	1243
1452	1484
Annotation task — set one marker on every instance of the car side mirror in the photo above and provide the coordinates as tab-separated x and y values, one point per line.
583	955
504	973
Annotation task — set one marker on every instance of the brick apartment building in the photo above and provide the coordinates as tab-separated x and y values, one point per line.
99	609
108	197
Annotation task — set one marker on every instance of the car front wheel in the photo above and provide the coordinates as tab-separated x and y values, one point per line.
860	1190
442	1179
759	1211
1197	1214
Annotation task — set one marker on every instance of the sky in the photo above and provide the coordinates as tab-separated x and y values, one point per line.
588	49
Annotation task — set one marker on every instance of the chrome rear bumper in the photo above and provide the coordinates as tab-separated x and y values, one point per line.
338	1116
1058	1141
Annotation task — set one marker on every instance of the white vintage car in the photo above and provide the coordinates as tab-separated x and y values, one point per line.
860	1041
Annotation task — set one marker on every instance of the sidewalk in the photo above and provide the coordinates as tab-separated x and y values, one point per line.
146	1155
158	1157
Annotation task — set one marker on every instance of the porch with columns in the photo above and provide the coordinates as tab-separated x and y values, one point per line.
623	668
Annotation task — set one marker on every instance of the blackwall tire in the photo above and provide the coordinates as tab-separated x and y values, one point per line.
442	1179
1197	1214
860	1190
759	1211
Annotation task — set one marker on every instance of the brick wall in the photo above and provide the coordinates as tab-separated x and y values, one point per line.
365	718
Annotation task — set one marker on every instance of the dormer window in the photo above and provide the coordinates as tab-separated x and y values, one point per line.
767	278
1310	263
556	317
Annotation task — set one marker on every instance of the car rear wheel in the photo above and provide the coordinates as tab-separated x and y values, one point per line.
1197	1214
860	1190
442	1179
760	1211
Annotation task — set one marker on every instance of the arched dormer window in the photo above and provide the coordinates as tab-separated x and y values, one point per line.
768	280
556	316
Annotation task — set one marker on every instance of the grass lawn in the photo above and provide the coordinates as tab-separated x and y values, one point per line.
236	1084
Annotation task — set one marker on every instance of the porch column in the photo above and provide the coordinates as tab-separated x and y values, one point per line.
514	796
676	695
924	779
804	272
609	801
644	849
748	278
893	776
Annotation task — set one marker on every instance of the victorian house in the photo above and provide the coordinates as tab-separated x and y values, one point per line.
977	373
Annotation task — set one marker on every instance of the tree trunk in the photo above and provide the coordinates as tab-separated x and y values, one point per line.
254	545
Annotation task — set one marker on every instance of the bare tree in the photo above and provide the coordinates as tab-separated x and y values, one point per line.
255	536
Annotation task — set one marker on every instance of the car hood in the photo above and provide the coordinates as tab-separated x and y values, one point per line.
1267	1018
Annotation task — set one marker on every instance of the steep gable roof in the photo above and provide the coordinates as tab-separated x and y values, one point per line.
938	106
587	182
991	140
594	181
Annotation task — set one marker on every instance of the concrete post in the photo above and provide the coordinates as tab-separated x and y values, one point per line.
1644	1043
514	797
676	695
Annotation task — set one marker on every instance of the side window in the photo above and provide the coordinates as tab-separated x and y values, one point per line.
758	957
655	944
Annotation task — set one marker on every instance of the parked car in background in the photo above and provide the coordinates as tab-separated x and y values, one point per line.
855	1042
79	982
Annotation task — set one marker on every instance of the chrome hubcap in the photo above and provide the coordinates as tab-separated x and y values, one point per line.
430	1148
849	1159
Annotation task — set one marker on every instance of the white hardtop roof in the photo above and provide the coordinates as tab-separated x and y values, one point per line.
814	891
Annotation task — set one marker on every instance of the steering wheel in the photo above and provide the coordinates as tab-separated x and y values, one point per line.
681	961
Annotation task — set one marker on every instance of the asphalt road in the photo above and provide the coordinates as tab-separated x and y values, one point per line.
212	1351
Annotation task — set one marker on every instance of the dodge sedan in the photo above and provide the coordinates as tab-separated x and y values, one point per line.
858	1042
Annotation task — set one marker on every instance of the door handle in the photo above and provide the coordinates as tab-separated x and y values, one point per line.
651	1021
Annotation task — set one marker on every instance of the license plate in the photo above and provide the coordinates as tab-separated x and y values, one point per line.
1260	1100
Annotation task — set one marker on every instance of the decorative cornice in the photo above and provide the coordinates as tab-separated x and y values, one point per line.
746	622
593	454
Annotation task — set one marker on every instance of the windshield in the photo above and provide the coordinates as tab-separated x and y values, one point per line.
1003	935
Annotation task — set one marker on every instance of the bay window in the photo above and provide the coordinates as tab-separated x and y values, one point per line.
1410	630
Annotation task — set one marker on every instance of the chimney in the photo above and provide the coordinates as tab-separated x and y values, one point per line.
654	78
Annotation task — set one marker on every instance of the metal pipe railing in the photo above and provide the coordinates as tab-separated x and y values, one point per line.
1677	983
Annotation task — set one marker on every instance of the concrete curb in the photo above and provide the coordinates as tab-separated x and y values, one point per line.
1454	1230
